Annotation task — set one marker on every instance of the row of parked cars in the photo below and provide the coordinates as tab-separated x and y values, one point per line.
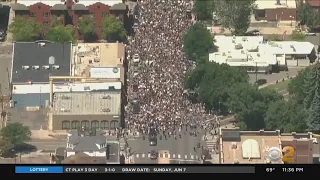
135	86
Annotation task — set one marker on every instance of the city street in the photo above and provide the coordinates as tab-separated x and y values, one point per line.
48	144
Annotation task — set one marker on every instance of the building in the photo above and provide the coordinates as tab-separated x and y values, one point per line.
99	60
83	158
315	4
251	147
38	95
276	10
256	55
34	62
90	142
68	12
302	144
99	109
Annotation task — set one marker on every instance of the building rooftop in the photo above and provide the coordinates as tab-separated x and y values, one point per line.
86	140
67	87
82	158
37	61
89	55
54	2
273	4
246	147
87	103
253	51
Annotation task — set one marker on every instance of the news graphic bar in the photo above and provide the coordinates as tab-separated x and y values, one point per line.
159	169
38	169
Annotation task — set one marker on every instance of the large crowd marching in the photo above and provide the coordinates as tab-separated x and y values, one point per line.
158	41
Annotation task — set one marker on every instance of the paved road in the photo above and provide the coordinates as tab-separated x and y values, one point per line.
275	76
180	148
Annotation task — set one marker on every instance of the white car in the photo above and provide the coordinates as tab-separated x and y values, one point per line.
136	58
307	33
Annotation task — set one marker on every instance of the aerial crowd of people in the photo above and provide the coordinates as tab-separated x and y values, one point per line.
159	75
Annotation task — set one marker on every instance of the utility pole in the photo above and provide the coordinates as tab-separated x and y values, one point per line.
256	71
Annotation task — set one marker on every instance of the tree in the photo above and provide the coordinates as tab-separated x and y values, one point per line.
204	10
286	116
87	27
60	34
25	30
304	13
274	37
298	36
15	134
212	82
313	117
198	42
296	85
234	14
113	30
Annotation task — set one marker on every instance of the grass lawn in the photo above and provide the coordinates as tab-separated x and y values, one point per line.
281	86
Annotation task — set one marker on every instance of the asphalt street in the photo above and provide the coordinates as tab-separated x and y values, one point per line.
48	144
180	149
275	76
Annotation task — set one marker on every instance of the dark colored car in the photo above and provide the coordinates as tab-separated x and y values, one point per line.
3	35
153	140
261	82
153	154
135	106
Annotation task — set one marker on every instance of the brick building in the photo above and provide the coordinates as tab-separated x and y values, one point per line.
68	12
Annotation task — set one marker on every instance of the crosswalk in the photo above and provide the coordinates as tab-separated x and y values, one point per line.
210	144
166	155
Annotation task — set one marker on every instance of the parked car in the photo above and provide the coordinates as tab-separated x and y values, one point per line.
308	33
255	32
3	35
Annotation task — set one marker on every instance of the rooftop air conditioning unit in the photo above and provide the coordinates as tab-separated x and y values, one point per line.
223	54
258	54
106	97
106	110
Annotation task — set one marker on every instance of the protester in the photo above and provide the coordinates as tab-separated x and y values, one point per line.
161	71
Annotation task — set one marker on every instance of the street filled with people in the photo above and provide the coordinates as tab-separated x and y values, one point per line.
156	75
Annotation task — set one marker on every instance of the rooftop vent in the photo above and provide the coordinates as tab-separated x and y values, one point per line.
223	54
65	97
106	97
46	67
25	67
258	54
56	67
106	110
35	67
96	60
86	88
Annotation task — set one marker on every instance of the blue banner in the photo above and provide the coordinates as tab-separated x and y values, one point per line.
39	169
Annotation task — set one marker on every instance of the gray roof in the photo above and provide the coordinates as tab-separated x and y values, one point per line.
31	99
19	7
79	7
59	7
87	142
36	63
119	6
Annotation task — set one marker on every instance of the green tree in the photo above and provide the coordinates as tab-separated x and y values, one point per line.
296	85
87	27
198	42
234	14
15	134
274	37
212	82
60	34
25	30
286	116
298	36
113	30
313	117
204	9
304	13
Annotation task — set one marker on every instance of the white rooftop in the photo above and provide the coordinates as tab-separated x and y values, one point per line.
74	87
272	4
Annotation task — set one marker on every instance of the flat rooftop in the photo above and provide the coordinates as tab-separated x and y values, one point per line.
89	55
36	61
87	103
246	147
